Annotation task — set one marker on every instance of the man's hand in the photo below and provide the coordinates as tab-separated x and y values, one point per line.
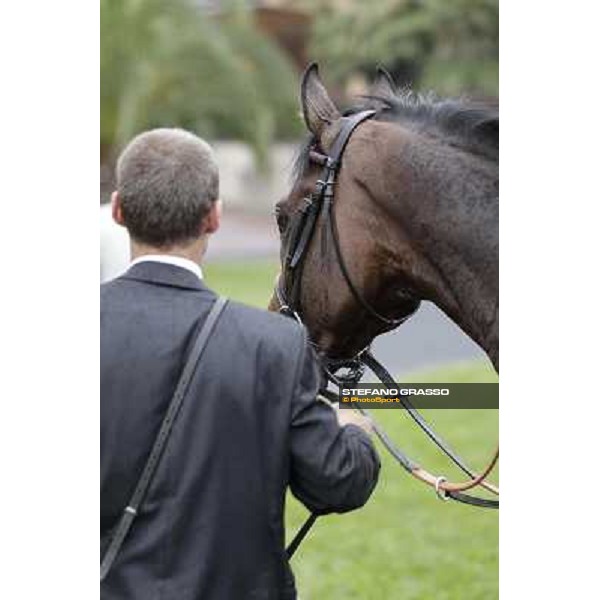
348	416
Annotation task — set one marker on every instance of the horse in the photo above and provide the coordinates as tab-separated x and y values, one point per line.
415	205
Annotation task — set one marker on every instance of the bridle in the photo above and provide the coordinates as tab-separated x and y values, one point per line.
320	202
344	372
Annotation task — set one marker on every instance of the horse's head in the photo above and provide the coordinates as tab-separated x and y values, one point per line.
342	321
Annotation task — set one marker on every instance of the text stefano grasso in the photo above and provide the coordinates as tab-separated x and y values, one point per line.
396	392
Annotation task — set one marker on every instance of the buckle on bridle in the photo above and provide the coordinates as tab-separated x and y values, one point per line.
344	372
323	188
289	312
308	202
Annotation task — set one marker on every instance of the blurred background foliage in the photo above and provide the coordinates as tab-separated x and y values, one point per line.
172	63
450	47
214	67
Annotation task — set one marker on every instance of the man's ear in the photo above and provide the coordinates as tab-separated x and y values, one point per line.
318	108
212	221
117	213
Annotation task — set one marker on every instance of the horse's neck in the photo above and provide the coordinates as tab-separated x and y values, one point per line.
448	208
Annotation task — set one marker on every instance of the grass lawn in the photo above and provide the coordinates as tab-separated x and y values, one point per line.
248	281
405	544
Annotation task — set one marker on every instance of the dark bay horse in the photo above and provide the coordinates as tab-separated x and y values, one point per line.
416	206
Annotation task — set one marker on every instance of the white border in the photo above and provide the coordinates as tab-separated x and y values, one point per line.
549	266
49	445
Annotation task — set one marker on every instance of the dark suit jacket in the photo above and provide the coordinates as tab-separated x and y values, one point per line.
211	526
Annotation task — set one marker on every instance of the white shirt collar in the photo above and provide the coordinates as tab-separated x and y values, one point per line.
168	259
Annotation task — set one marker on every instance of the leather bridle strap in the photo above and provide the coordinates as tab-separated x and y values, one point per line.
444	489
330	215
324	186
384	376
308	218
300	535
321	201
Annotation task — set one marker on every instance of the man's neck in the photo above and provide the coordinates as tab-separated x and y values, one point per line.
193	252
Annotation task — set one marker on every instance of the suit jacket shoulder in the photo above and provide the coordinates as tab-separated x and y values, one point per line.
276	333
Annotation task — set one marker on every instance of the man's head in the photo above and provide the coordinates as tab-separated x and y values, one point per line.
167	191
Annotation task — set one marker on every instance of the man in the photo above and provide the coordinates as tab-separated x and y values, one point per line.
211	525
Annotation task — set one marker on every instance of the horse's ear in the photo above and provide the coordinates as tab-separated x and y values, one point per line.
384	86
317	107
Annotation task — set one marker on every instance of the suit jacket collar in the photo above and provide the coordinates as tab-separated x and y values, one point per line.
164	274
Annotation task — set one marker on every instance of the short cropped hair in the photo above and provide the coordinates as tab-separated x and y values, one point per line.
167	180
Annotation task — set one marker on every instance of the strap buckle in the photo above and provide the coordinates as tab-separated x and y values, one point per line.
440	493
286	310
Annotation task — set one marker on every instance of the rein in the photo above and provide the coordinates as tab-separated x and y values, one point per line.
320	202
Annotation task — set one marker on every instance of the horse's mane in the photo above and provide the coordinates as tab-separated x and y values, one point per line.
469	125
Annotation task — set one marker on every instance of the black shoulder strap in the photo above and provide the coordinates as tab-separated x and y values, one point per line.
131	510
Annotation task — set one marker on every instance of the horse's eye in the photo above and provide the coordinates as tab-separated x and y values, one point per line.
282	220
